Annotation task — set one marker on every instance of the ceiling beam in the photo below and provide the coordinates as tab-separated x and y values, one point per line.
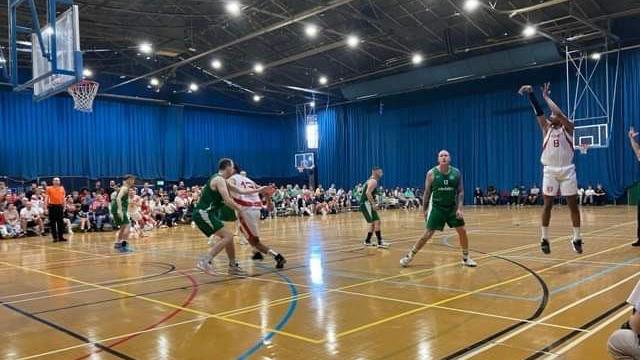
304	15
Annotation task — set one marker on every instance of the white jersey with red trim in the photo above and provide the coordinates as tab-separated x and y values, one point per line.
246	200
557	148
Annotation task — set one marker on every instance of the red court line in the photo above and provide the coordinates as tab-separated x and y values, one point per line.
194	291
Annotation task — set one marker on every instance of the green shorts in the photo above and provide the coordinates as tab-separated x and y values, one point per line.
118	220
369	213
207	221
439	216
226	213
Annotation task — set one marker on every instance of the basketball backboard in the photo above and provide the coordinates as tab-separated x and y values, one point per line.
56	57
305	161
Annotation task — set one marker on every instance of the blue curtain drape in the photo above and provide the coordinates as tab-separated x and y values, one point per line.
152	141
489	130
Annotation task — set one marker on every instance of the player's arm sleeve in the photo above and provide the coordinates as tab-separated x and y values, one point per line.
372	186
121	193
427	191
221	185
460	193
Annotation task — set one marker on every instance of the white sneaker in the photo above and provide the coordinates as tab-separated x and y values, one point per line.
243	241
404	262
469	262
383	245
235	269
204	265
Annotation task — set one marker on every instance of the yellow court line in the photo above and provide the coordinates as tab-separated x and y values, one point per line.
170	305
64	249
460	296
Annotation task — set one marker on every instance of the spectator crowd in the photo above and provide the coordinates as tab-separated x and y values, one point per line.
87	210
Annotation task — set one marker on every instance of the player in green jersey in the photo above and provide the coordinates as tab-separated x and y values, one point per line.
368	208
119	211
443	201
206	215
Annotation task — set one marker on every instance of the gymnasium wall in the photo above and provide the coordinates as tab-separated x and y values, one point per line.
149	140
489	130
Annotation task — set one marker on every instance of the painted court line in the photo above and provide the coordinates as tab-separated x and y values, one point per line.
579	340
547	317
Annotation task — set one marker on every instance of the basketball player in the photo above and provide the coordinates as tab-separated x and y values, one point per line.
213	197
244	192
368	207
442	201
636	150
559	174
119	210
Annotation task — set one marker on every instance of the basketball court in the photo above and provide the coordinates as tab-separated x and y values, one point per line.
315	93
335	299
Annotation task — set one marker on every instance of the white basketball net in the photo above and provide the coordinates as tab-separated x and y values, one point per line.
83	94
584	148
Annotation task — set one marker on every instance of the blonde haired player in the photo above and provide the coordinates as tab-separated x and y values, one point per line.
559	174
244	192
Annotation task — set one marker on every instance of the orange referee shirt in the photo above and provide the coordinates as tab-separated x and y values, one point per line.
56	195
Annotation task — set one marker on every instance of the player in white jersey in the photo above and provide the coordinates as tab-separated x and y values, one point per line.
559	175
240	189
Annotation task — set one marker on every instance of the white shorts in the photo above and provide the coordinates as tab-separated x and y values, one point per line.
249	218
559	179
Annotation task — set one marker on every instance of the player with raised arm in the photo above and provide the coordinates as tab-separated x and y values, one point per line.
559	174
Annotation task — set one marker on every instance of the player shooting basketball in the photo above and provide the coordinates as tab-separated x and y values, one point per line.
559	174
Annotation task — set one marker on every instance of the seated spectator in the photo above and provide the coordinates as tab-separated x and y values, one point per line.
322	208
589	194
492	195
3	189
478	197
600	195
146	191
302	207
12	218
624	344
99	212
70	213
515	195
170	213
534	195
522	199
30	218
411	198
158	212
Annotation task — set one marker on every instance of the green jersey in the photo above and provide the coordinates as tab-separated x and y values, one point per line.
124	201
444	188
210	199
363	196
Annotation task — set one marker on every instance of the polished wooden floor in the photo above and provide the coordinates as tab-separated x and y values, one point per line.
335	299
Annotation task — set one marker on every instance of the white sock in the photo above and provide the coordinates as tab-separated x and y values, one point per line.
273	252
576	233
545	232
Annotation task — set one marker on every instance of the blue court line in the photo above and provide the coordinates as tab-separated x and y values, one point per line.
570	285
283	321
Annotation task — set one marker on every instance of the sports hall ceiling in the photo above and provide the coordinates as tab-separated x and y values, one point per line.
390	32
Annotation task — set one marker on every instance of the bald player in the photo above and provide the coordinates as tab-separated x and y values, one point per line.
443	201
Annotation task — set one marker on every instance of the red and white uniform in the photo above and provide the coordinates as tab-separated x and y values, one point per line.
559	174
250	204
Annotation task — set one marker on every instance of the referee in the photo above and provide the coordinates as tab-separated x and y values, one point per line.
55	202
636	149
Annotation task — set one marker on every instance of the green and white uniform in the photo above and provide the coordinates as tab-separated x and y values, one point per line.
124	206
367	209
443	202
207	212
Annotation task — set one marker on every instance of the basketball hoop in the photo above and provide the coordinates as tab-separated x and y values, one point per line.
83	94
583	148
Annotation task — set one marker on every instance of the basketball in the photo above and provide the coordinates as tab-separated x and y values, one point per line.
268	191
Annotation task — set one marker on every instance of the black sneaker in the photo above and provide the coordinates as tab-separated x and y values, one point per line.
257	256
280	261
637	243
545	246
577	245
